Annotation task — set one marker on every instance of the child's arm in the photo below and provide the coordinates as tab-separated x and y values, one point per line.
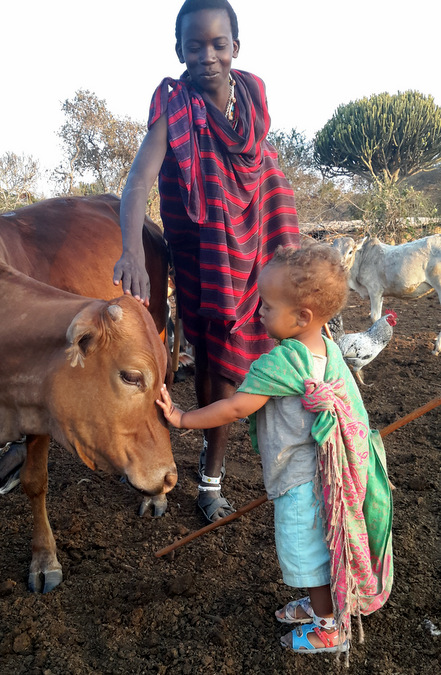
216	414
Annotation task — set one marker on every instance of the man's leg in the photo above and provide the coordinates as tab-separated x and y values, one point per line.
211	387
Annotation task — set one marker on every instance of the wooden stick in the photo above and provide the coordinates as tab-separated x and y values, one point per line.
261	500
328	332
176	344
212	526
434	403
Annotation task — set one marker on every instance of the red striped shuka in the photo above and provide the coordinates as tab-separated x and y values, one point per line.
225	207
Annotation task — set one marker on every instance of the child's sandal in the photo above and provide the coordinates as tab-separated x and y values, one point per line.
301	643
288	613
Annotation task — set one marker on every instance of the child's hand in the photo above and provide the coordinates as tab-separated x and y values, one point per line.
171	414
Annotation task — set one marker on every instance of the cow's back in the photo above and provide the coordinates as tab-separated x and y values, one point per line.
407	267
73	243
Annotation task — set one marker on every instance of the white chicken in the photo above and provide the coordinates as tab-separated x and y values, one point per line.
359	349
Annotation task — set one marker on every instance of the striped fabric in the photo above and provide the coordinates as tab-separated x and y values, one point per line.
225	206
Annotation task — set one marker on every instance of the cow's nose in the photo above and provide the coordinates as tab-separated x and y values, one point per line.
170	480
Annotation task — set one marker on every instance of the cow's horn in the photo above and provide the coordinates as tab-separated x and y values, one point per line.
115	312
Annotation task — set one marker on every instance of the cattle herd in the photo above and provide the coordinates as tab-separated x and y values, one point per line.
85	368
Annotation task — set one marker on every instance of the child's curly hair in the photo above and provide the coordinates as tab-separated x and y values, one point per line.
317	278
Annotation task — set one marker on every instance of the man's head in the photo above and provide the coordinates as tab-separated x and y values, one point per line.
197	5
206	43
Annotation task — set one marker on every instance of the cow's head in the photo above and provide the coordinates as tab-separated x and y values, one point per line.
348	247
104	394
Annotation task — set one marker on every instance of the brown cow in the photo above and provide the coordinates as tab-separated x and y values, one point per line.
86	372
72	243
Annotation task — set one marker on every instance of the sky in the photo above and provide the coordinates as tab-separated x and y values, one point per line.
313	55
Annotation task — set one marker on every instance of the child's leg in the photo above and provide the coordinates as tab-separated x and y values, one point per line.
321	600
304	560
301	549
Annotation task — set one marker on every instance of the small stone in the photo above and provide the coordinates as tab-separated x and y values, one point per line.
418	483
182	530
22	643
217	638
40	659
6	587
182	585
137	616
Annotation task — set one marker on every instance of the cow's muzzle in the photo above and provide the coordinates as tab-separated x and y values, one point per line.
169	481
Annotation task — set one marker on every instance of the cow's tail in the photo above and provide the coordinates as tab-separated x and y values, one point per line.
12	457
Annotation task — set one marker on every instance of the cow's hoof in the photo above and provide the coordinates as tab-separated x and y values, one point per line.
156	505
50	579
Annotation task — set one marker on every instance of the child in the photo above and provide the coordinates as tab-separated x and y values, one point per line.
322	466
225	206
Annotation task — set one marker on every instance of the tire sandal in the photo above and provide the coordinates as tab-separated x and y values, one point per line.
214	503
300	642
288	613
201	468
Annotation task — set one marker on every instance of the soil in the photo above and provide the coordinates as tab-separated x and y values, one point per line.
209	608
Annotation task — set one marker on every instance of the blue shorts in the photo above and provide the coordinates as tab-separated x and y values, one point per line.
300	538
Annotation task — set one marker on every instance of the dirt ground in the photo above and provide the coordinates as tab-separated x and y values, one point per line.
210	608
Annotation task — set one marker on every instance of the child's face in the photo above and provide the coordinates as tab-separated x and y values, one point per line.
207	48
277	314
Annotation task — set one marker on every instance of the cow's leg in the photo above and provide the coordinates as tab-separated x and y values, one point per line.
376	298
44	565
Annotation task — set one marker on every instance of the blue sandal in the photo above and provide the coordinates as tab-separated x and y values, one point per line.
301	644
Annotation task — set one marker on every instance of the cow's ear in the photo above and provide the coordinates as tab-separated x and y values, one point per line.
82	336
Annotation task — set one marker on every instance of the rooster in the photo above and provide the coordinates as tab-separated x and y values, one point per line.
359	349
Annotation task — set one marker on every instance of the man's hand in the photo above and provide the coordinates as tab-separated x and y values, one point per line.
135	280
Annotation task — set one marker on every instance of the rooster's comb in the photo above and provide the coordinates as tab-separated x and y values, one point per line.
392	316
390	311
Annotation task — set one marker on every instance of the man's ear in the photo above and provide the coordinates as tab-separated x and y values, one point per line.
236	47
178	50
305	317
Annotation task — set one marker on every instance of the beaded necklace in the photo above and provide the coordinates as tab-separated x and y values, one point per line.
229	110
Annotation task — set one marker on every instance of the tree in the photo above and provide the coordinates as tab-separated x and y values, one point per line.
316	199
18	177
385	138
396	213
97	144
295	152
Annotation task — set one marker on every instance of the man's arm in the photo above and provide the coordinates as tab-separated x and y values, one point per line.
130	268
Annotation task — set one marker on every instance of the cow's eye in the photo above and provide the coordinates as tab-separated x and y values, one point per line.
133	377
